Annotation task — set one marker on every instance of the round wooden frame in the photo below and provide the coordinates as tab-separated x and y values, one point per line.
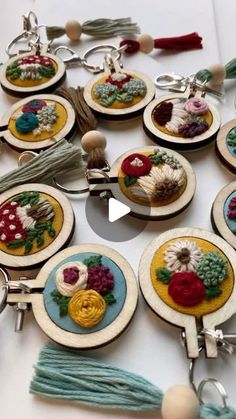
119	114
141	211
217	214
185	321
46	87
20	145
222	150
62	240
179	143
73	340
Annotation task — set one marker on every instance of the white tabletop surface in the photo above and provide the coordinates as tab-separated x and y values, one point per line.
149	346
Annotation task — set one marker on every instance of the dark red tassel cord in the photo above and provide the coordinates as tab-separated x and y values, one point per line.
178	43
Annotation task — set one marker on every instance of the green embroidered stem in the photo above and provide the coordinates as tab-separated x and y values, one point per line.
205	75
58	159
99	28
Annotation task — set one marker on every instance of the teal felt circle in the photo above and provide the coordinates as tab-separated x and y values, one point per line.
112	311
230	223
230	140
26	122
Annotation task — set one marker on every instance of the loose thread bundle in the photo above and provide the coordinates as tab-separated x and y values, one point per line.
85	119
206	75
99	28
58	159
64	374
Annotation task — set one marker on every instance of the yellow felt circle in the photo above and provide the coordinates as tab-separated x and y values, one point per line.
206	306
127	191
116	104
56	224
208	117
87	308
32	83
56	128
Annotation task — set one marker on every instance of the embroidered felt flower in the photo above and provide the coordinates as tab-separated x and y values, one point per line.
231	213
34	105
136	165
71	277
87	308
100	279
118	79
192	128
170	114
161	183
186	289
182	255
212	269
196	106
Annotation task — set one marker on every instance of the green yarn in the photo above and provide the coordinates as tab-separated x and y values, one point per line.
212	269
209	411
64	374
26	122
164	275
205	75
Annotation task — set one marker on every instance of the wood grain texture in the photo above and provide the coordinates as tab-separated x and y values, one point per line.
146	212
48	86
64	236
179	143
217	214
188	322
119	114
35	145
222	150
81	341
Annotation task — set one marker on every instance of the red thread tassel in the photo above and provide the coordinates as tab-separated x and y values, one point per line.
180	43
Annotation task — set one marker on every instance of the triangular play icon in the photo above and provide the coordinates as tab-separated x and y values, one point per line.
116	210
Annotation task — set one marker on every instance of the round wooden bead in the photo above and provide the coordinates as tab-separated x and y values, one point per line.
180	402
146	43
218	74
73	30
93	139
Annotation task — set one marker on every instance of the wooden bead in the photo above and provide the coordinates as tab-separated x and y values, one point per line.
93	139
146	43
218	74
180	402
73	30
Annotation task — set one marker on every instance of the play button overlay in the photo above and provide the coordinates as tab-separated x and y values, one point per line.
112	220
116	210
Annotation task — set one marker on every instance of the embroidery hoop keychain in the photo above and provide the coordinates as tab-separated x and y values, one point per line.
83	297
116	93
182	122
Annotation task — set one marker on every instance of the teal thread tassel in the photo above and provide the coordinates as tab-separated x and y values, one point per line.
209	411
64	374
230	72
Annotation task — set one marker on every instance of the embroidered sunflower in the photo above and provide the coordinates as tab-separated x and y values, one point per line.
182	255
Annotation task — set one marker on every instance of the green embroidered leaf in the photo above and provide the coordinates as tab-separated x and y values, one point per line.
110	299
41	225
213	292
40	240
51	230
16	244
93	260
129	180
155	159
28	246
61	301
164	275
34	201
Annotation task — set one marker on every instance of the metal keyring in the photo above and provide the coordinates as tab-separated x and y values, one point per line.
83	190
99	48
217	385
33	36
6	279
28	154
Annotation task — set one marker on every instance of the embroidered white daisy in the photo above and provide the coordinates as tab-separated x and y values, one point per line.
25	219
182	255
178	116
160	184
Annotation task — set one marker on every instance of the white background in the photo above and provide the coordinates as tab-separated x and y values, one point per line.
149	346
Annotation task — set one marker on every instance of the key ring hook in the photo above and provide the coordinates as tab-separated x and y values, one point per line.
32	37
28	19
6	279
219	387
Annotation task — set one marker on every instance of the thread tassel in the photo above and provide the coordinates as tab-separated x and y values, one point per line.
180	43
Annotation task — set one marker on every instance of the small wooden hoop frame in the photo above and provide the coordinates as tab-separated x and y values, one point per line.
222	150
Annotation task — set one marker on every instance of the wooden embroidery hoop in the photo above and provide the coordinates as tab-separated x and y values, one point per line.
118	114
73	340
222	150
47	87
187	322
62	240
138	210
217	214
179	143
20	145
